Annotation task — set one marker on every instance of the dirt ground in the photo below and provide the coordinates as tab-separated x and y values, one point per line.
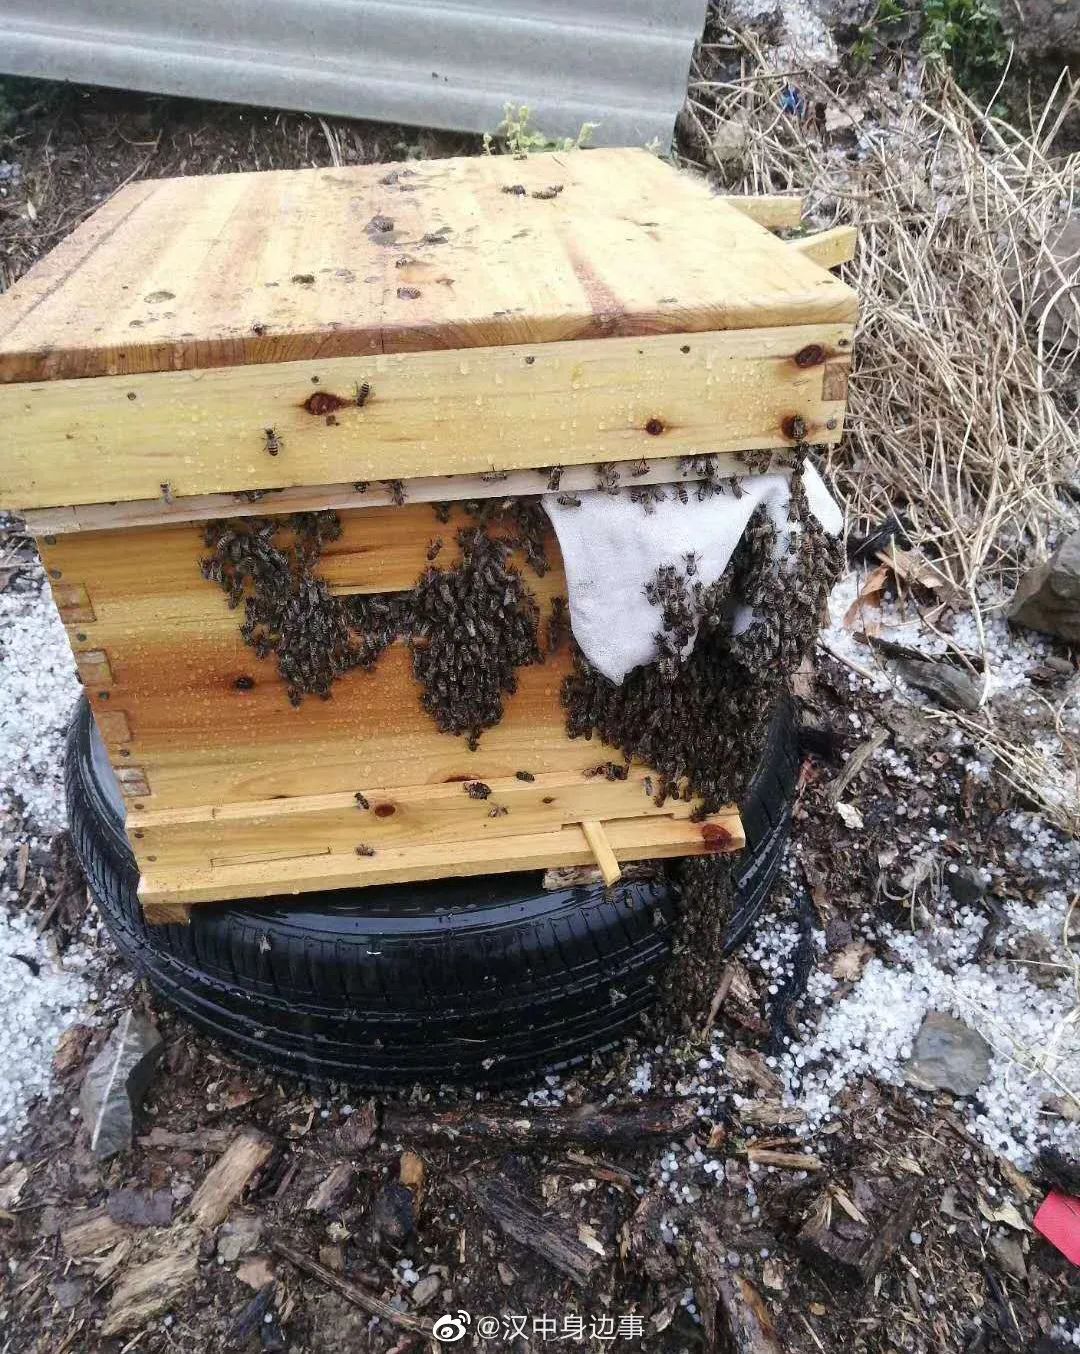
674	1241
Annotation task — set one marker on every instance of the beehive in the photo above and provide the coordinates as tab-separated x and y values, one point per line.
269	343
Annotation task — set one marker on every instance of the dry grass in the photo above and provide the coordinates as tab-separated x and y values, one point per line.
960	406
963	407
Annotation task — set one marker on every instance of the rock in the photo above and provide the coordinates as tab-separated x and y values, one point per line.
239	1236
1044	30
426	1290
1048	597
259	1271
729	141
1009	1253
393	1214
115	1083
141	1208
949	686
966	884
68	1292
948	1056
843	14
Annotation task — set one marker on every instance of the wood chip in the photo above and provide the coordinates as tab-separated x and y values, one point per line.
352	1291
791	1161
541	1231
151	1288
229	1177
91	1232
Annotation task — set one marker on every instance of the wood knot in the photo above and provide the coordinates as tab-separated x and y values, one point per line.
654	427
715	837
324	402
810	356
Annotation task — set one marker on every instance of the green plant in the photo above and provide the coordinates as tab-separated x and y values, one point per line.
888	14
518	135
967	36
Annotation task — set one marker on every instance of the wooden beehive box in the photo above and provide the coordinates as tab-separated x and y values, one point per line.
195	350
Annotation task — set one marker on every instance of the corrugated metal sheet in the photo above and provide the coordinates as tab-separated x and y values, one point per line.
621	63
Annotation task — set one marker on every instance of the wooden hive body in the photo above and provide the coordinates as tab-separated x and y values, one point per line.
266	343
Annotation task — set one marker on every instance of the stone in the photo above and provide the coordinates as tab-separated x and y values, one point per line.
141	1207
949	686
68	1292
239	1236
948	1056
729	142
116	1082
425	1290
1048	597
1009	1253
259	1271
1044	31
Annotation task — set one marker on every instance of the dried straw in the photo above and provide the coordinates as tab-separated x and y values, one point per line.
961	409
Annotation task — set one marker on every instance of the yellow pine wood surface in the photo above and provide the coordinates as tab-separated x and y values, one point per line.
176	434
239	269
231	792
167	891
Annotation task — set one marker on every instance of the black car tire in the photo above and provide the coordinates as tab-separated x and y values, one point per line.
470	981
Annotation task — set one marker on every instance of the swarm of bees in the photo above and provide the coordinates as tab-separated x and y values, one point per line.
698	717
474	625
469	627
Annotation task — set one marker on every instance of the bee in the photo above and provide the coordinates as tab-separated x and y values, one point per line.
498	811
691	561
364	850
546	194
525	775
167	494
607	477
493	476
433	548
441	511
517	189
361	393
554	475
640	468
736	486
361	800
569	500
681	494
273	442
396	490
361	486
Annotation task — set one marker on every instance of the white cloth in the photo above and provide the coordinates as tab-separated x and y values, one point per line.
611	548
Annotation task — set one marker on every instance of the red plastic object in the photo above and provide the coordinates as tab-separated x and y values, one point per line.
1058	1219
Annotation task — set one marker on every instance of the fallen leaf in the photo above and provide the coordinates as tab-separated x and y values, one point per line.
850	814
847	966
587	1236
1006	1213
412	1170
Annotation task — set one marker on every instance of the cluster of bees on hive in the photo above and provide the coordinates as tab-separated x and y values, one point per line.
696	717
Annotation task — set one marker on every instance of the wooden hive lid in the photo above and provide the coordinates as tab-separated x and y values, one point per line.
239	269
